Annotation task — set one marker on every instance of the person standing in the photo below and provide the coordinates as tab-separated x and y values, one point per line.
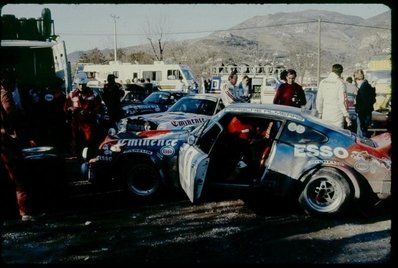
290	93
111	97
11	171
83	105
230	92
330	99
245	86
365	99
352	91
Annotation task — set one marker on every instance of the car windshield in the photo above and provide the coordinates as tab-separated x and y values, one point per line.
188	74
197	106
157	97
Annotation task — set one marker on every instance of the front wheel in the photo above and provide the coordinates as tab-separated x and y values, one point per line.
326	193
142	180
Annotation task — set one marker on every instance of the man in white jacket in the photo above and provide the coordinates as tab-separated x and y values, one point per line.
330	100
230	92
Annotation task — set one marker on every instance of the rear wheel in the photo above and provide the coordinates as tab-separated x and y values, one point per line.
326	193
142	180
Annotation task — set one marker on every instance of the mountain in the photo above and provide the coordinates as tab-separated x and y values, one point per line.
292	37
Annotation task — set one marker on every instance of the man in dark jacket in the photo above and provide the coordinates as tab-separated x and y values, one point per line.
111	97
366	97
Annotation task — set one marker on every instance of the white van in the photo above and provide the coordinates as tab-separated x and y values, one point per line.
165	76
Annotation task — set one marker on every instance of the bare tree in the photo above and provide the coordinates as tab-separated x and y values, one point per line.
156	35
93	56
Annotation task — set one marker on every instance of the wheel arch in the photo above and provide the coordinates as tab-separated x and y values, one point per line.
137	158
344	171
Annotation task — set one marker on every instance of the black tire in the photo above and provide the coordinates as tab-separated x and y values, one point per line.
327	193
142	180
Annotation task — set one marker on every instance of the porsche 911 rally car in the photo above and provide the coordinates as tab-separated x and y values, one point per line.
274	148
189	110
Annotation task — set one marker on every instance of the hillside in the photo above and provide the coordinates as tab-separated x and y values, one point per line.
291	37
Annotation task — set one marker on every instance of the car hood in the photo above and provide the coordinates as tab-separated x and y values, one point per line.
165	120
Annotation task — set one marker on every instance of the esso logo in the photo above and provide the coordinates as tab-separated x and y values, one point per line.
313	150
48	97
167	150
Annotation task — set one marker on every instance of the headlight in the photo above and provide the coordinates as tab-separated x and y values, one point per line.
85	153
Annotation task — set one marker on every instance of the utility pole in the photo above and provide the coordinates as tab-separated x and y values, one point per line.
114	37
319	52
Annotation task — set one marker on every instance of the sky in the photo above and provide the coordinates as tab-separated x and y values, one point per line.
89	26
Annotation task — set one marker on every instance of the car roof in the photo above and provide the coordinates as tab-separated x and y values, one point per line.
282	112
208	96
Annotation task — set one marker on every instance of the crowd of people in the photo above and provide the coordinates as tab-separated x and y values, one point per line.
43	115
332	101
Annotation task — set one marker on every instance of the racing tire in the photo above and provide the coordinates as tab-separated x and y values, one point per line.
142	180
327	193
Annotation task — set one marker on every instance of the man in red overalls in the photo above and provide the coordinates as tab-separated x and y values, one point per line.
83	105
11	176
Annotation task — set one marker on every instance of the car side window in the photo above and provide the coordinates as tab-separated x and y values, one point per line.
207	140
296	133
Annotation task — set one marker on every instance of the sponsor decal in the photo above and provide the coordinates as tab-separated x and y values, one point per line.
266	111
329	162
312	150
104	158
148	142
186	122
167	150
107	152
142	151
365	162
48	97
362	166
293	127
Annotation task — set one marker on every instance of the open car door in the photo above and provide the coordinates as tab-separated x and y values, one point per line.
192	166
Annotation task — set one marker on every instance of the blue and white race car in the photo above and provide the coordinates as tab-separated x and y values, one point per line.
273	148
190	110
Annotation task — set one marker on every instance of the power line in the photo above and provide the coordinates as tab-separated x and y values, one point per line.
233	29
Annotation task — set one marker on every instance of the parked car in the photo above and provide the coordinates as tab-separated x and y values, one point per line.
156	102
274	148
190	110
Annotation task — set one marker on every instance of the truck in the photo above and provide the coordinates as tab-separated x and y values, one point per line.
30	48
264	79
165	76
378	74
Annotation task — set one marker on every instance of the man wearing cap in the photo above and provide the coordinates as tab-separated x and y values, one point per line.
83	105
